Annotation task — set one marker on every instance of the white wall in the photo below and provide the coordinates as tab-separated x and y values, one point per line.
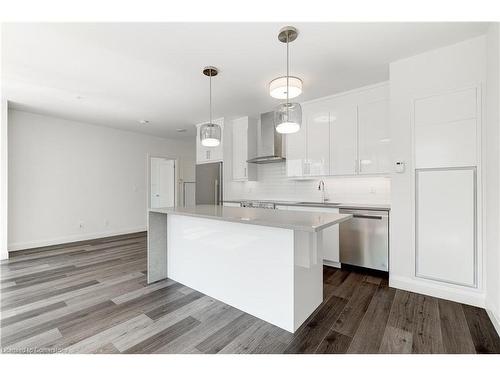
63	173
273	184
3	179
492	173
456	66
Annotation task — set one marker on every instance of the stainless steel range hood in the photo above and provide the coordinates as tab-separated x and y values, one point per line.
271	146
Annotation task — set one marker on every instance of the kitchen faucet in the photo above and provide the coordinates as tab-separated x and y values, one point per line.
321	187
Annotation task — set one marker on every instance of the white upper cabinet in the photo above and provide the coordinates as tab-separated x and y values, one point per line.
296	153
343	137
374	137
317	118
244	148
209	154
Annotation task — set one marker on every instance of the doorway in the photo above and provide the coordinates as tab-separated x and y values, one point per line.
162	182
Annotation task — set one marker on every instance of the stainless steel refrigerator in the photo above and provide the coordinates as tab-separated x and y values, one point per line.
209	183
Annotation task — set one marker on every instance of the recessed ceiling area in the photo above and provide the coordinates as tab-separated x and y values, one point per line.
117	74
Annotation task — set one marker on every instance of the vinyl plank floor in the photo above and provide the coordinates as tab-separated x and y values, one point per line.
368	337
92	297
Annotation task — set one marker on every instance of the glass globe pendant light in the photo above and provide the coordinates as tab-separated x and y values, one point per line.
288	116
210	133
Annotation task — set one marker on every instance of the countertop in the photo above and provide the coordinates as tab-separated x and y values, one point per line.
355	206
296	220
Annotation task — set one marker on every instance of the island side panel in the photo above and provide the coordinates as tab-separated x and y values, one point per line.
157	247
246	266
308	274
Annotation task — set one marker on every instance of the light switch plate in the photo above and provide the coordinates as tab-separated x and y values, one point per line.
400	167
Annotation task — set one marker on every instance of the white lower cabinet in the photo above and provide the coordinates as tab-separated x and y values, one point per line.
331	253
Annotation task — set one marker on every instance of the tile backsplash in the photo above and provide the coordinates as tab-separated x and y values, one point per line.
273	184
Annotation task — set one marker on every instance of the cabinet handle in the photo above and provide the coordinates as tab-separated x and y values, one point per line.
245	171
357	165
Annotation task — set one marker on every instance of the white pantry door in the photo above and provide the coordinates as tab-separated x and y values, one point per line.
162	182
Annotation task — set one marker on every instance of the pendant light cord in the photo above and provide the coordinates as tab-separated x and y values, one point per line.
287	75
210	97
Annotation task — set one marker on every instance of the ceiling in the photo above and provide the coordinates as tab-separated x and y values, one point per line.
115	74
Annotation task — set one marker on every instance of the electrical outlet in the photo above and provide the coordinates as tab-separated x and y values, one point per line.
372	190
106	222
81	225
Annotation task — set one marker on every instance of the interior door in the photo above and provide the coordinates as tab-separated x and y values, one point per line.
162	188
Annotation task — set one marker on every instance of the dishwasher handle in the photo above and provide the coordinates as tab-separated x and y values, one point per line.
368	216
365	214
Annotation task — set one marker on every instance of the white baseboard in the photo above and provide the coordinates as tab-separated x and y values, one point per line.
494	319
331	263
74	238
457	294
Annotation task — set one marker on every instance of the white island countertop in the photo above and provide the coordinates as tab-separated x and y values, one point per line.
296	220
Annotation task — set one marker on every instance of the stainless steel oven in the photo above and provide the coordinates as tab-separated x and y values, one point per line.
364	239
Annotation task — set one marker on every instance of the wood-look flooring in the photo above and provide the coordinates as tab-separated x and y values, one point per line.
92	297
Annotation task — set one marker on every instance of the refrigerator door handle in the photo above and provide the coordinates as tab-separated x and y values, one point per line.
219	202
216	191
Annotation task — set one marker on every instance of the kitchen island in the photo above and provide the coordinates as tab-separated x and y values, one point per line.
268	263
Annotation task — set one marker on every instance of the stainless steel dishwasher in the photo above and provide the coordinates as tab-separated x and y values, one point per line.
364	239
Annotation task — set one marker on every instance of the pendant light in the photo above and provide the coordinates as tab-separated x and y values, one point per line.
278	87
288	116
210	133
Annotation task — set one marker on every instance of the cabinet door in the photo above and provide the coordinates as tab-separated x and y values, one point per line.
330	235
446	225
240	128
200	150
446	130
374	137
296	152
343	137
318	139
